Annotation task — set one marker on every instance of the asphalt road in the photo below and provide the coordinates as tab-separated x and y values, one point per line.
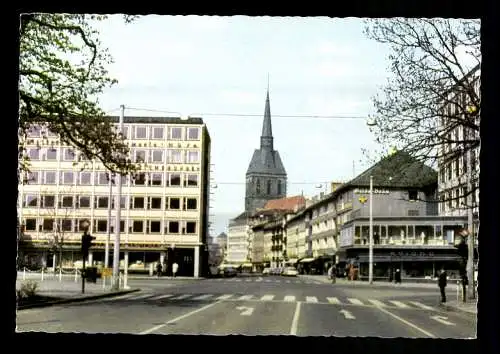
257	306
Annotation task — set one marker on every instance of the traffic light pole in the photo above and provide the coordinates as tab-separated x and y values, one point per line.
83	275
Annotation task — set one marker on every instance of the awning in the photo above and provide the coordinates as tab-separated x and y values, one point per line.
306	260
247	265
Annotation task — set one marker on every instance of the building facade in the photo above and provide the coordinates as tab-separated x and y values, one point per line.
164	207
266	177
237	240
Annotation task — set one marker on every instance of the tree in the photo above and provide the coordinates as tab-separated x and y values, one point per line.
62	72
432	62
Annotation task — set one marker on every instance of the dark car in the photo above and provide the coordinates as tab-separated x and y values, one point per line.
228	272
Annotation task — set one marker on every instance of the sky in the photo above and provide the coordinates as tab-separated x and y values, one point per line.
218	67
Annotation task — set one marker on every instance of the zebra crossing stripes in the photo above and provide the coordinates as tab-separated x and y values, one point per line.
377	303
333	300
399	304
245	297
202	297
355	301
140	297
290	298
160	297
181	297
267	297
422	306
225	297
311	299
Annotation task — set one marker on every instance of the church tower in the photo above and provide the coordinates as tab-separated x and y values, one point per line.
266	176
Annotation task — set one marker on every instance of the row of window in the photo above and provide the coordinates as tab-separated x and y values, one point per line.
455	198
137	155
102	202
101	226
153	132
87	178
457	167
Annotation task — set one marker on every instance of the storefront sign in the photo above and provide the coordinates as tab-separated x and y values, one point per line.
412	254
367	191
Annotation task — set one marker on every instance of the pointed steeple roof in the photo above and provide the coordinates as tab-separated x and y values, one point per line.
266	139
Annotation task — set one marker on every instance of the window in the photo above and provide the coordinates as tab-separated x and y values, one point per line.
140	156
191	227
48	224
49	201
279	187
193	157
67	225
140	179
156	155
157	132
174	203
175	156
413	195
34	154
84	202
101	178
31	200
69	154
457	170
102	225
34	131
140	133
191	204
138	203
257	186
175	179
66	201
155	226
175	133
155	179
138	226
464	163
30	224
32	177
101	202
192	180
268	187
193	133
155	202
67	177
50	177
85	178
51	154
173	227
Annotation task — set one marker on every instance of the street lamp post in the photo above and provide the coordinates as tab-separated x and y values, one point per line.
370	247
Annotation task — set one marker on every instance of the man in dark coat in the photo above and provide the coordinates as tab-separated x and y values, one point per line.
442	284
397	276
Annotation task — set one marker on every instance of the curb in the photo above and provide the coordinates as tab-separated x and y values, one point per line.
76	299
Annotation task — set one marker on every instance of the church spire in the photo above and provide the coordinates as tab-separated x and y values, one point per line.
266	139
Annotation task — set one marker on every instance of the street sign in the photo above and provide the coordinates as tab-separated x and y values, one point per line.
107	272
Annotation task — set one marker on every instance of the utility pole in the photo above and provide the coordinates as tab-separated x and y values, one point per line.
370	250
116	253
470	224
108	236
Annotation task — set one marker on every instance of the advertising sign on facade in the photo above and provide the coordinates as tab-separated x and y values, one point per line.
347	236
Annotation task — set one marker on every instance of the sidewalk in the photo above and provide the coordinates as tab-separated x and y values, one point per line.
66	290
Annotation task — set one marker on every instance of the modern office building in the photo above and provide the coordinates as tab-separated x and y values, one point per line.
164	207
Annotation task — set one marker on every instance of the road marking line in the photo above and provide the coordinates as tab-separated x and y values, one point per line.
202	297
155	328
377	303
355	301
311	299
245	297
295	320
248	280
267	297
333	300
288	281
422	306
407	323
399	304
347	314
122	297
290	298
224	297
161	297
277	281
237	280
267	281
140	297
442	319
181	297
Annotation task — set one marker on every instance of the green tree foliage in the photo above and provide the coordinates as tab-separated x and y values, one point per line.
62	72
432	91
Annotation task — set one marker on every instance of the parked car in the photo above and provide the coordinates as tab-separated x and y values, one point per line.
266	271
228	272
290	272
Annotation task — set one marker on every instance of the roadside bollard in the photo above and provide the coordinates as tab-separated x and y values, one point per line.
42	274
458	291
60	274
24	273
76	275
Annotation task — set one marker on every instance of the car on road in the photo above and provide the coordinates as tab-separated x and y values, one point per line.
266	271
228	272
290	272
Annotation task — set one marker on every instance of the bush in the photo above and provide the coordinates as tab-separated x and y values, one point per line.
28	289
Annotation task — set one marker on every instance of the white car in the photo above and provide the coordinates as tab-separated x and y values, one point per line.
266	271
290	272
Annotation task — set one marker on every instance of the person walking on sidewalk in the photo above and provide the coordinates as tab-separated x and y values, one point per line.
442	284
175	267
397	276
158	269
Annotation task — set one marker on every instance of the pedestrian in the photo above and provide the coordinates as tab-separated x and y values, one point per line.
397	276
175	267
333	269
158	269
442	280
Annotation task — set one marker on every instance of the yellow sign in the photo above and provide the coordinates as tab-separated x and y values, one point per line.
107	272
363	199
